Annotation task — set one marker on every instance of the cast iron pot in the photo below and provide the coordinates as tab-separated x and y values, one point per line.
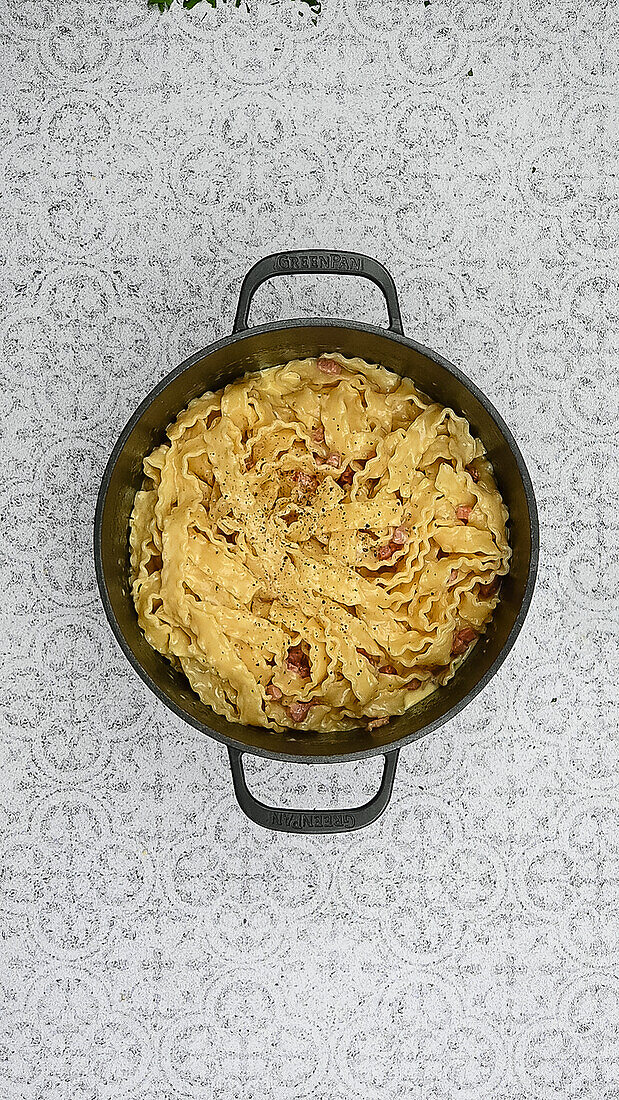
253	349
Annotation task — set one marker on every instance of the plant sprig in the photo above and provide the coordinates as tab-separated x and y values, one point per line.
314	6
165	5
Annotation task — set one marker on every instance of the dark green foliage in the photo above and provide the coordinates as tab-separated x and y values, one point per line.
314	6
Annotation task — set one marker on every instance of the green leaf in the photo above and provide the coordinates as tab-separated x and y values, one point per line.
314	6
470	72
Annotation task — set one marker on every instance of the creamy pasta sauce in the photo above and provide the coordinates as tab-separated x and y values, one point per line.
317	546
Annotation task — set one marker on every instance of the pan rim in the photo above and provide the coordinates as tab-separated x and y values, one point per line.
351	326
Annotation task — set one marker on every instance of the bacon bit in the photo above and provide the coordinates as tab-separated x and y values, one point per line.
462	640
274	692
305	481
376	723
388	670
297	661
473	472
346	477
249	463
318	435
369	657
334	460
298	711
440	554
396	542
328	366
414	684
463	512
453	576
385	552
487	590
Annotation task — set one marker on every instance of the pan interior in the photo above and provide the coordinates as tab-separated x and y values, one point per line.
213	369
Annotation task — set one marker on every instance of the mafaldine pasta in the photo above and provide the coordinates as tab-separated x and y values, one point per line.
317	546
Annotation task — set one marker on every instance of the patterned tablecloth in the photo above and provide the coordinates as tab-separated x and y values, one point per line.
153	943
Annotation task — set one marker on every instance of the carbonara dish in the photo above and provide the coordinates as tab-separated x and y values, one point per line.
317	546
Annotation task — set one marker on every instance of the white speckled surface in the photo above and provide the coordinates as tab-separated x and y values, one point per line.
153	943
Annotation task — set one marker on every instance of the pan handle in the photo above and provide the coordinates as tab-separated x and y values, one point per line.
308	261
312	821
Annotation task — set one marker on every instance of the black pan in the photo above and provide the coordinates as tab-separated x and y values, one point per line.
253	349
